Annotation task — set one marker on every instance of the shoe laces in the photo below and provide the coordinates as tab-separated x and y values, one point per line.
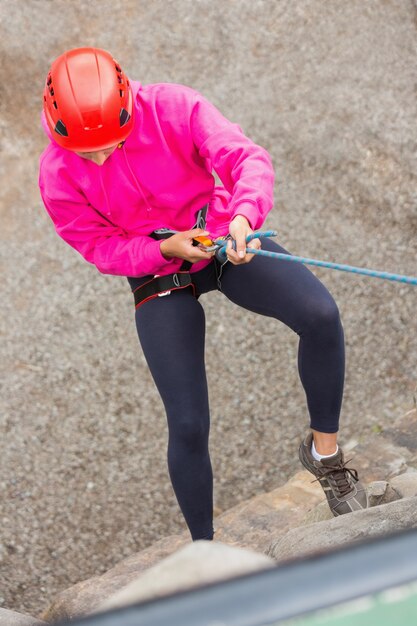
338	474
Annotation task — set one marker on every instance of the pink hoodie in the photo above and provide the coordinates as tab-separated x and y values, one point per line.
160	178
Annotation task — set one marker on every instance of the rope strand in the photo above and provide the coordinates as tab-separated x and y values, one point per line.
409	280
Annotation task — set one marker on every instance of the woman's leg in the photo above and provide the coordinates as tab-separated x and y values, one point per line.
289	292
171	331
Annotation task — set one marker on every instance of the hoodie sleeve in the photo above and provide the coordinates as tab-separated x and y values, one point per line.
106	245
244	168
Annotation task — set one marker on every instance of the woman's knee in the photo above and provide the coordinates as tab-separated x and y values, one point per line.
191	432
323	317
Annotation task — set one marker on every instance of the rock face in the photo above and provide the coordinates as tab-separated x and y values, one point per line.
337	532
196	564
405	484
251	523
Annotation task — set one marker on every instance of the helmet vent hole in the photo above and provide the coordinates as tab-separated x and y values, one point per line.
55	104
61	129
119	73
124	117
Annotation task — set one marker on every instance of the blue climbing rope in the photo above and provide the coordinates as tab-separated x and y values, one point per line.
221	253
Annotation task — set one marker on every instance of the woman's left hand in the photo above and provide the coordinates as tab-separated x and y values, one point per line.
239	229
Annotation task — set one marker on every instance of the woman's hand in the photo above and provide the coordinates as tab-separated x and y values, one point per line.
239	228
181	246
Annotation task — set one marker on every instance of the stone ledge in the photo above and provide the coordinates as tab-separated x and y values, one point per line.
346	529
194	565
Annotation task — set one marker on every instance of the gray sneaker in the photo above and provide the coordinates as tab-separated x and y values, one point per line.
341	484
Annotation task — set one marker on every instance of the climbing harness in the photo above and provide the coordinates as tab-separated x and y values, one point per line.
160	286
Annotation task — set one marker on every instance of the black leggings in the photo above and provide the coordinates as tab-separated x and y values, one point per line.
171	331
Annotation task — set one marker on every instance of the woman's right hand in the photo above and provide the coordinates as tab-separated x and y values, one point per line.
181	246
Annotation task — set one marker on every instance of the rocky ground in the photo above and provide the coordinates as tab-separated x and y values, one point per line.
329	91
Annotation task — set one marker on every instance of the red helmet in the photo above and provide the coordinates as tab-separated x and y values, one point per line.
87	100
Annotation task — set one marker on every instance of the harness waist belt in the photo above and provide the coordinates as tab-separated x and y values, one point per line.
160	286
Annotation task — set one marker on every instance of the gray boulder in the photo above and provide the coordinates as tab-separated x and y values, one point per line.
346	529
405	484
381	492
196	564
